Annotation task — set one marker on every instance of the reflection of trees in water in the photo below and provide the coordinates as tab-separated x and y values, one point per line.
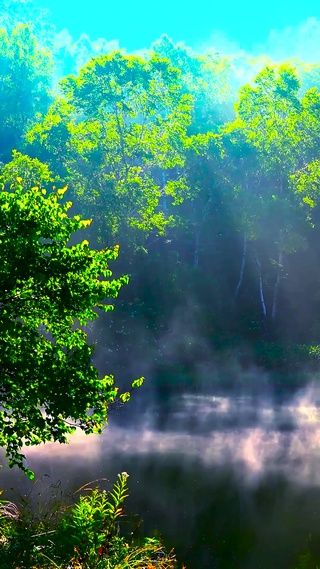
246	496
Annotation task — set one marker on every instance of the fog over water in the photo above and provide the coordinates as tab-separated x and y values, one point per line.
230	480
253	434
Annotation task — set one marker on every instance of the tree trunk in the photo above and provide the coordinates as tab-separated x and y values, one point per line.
262	300
276	287
243	266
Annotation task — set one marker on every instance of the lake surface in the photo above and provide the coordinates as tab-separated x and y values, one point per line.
231	480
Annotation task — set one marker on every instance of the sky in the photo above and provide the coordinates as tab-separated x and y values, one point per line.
236	25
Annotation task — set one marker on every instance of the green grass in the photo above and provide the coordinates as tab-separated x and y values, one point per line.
84	534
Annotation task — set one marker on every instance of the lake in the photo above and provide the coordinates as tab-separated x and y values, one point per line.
230	479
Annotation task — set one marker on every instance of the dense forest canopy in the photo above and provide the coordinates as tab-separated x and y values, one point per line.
169	148
205	168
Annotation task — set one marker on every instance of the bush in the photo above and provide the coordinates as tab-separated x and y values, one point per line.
85	535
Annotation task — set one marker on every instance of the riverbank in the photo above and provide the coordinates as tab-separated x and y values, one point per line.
86	530
234	366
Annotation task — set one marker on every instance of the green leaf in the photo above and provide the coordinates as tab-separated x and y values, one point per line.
125	397
137	382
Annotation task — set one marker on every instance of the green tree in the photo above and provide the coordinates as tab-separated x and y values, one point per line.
50	289
120	131
31	170
14	12
25	85
207	78
282	130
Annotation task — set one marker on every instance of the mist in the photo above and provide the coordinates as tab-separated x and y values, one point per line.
221	476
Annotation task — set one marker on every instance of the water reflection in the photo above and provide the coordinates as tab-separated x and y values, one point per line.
231	482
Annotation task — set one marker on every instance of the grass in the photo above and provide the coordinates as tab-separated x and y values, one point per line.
86	533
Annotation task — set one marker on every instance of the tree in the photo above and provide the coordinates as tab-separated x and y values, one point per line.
120	132
14	12
208	78
25	85
49	290
282	130
31	170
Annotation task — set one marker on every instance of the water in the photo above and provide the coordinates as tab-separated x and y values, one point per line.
230	480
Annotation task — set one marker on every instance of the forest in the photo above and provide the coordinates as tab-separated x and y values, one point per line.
194	179
207	182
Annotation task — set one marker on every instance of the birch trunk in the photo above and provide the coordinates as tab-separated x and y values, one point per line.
276	287
261	293
243	266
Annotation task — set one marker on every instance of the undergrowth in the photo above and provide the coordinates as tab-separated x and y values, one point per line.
85	534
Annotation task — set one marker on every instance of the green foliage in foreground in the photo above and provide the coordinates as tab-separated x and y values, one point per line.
85	535
49	289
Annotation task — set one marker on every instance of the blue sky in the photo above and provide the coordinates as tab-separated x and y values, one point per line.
137	23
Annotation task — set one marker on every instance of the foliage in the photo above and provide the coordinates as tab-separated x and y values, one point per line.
216	206
84	535
33	172
50	289
25	12
287	357
121	126
25	85
221	216
206	78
